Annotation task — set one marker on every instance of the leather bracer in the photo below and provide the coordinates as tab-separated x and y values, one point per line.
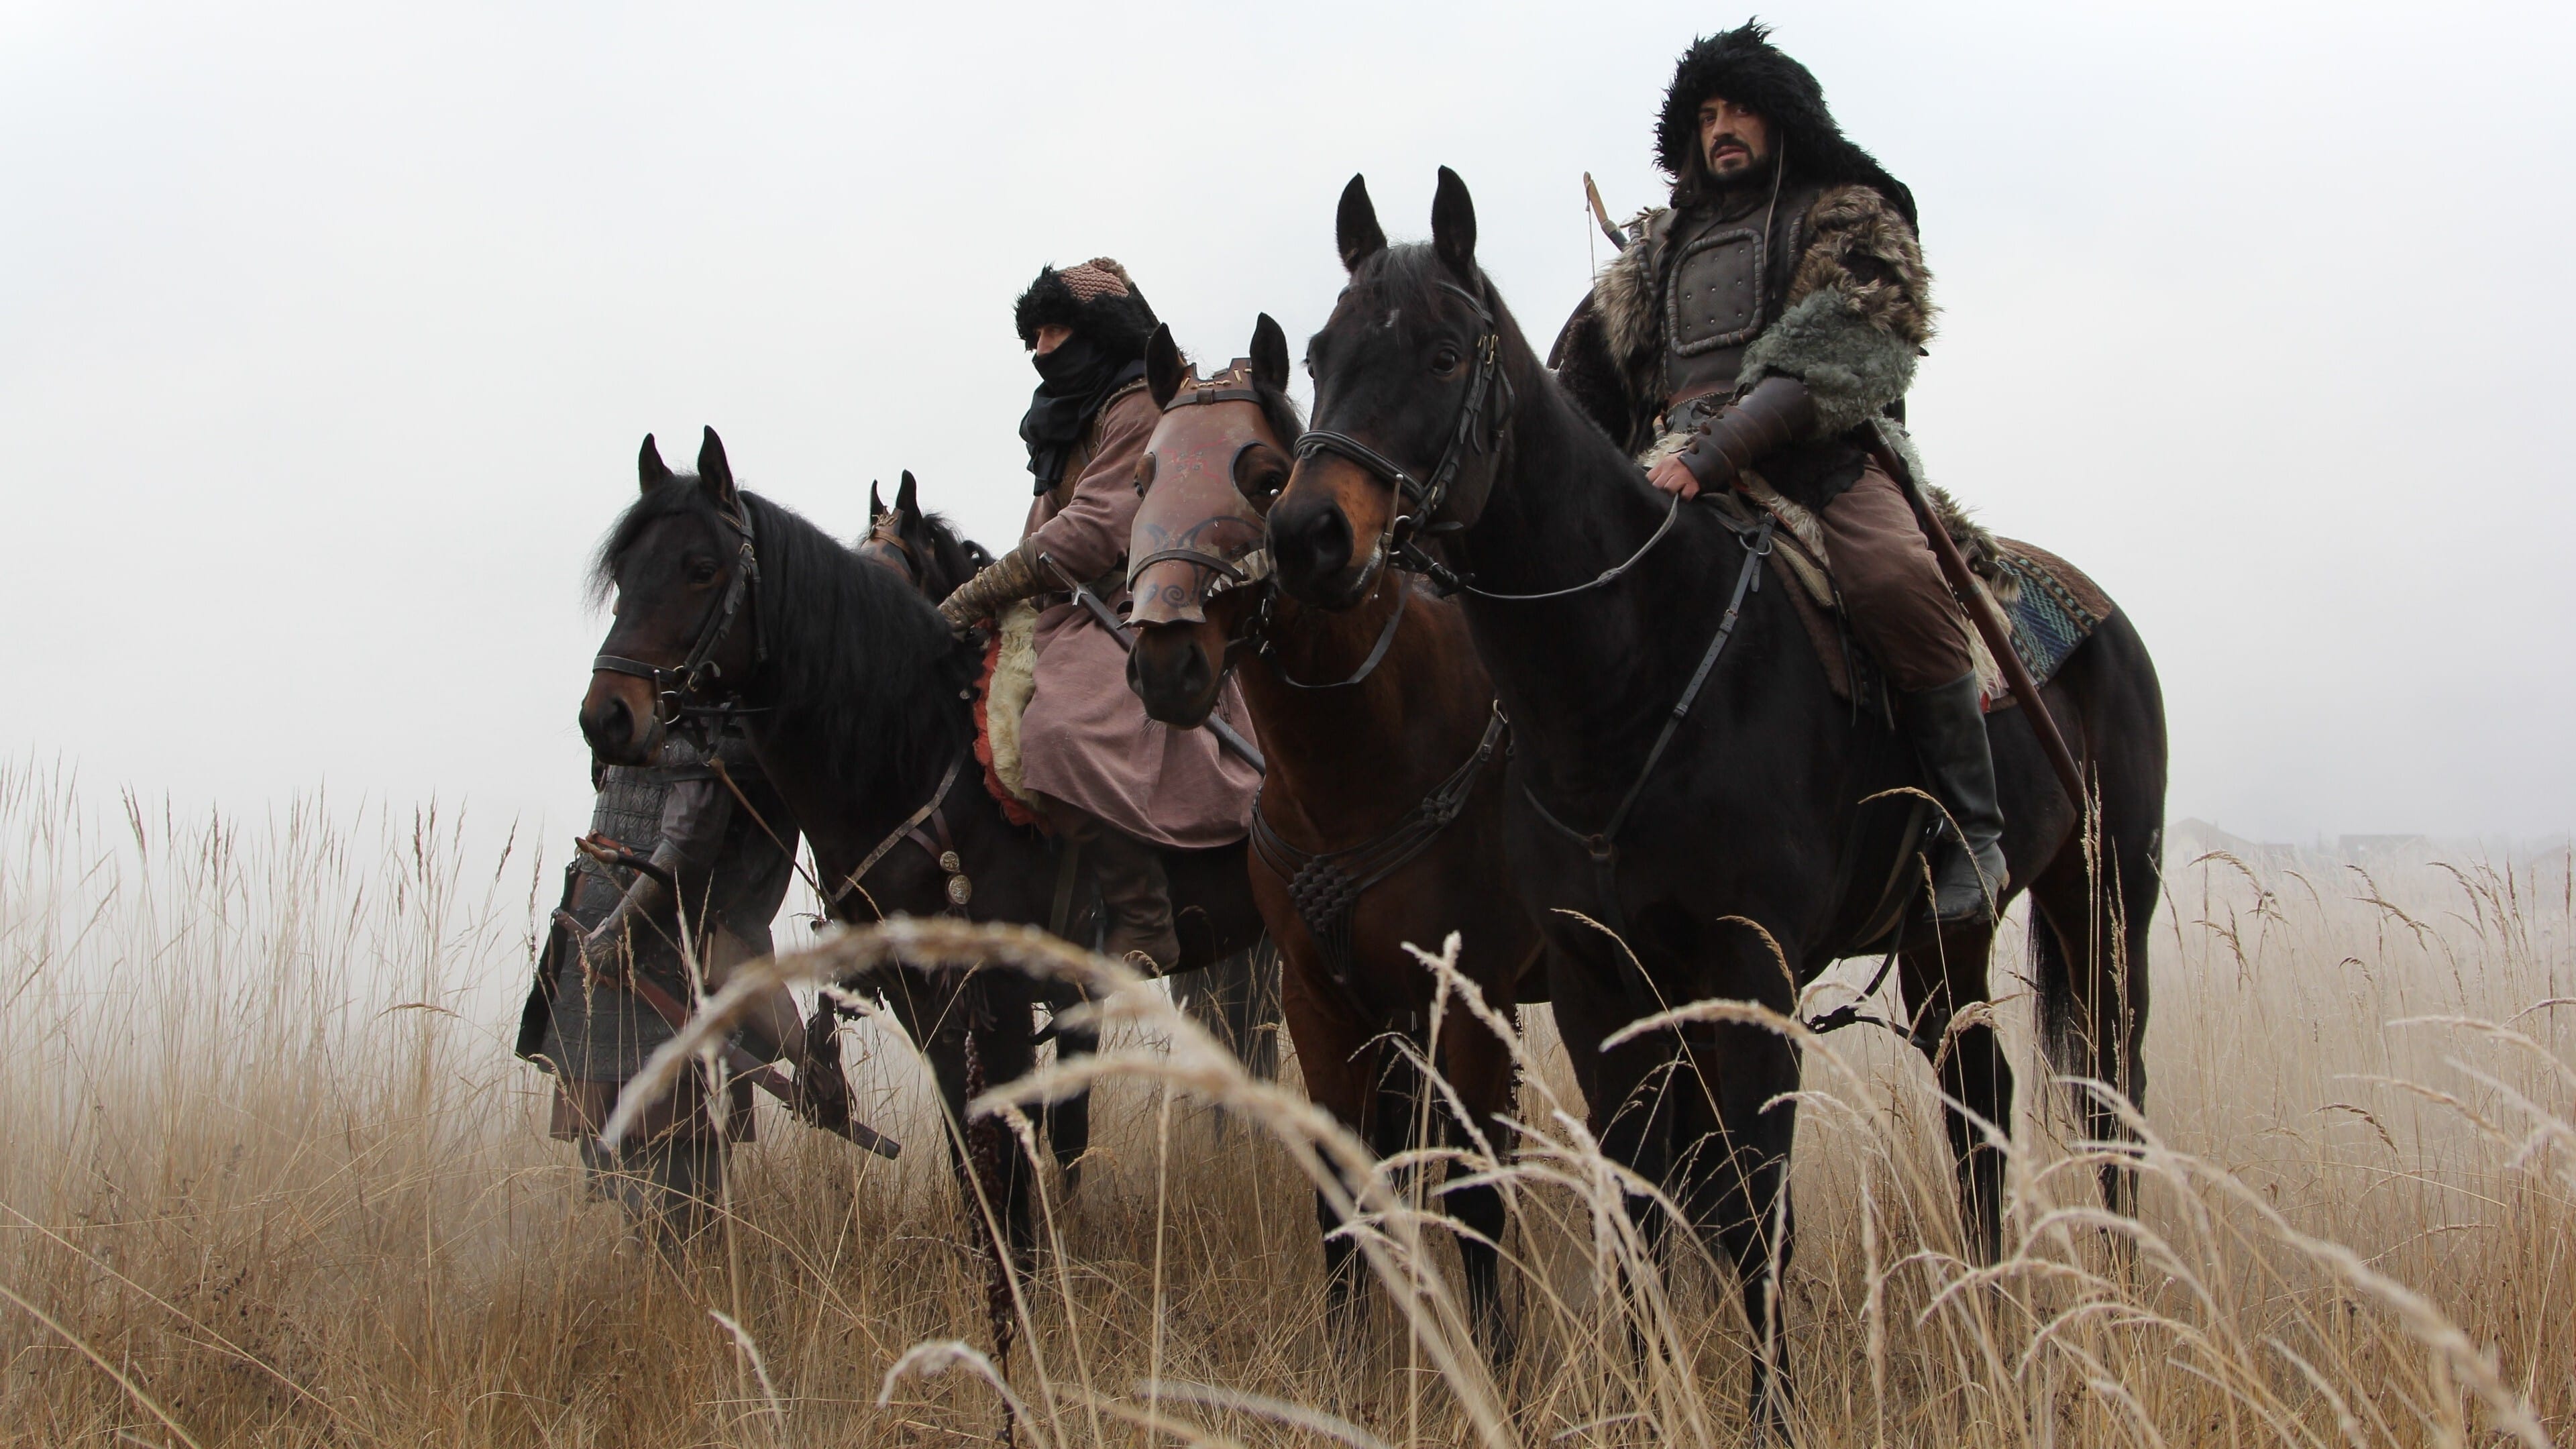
1003	582
1777	411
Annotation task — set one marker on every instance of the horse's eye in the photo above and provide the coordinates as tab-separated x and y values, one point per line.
702	570
1144	474
1445	361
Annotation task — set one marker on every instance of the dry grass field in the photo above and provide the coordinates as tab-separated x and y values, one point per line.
271	1177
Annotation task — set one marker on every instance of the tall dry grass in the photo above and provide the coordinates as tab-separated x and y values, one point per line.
271	1177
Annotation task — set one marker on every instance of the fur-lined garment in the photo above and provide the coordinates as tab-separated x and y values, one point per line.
1856	312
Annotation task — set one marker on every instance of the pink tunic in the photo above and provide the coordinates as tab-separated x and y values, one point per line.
1085	739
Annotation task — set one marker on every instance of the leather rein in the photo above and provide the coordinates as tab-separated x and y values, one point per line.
672	687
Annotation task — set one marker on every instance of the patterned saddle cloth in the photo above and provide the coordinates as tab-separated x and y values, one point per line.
2050	604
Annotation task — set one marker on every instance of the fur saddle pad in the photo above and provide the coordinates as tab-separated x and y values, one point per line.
2050	605
1001	697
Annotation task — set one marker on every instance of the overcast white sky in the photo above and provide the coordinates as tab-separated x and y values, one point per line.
327	332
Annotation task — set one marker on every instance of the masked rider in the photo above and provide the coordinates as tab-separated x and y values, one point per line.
1103	774
1752	330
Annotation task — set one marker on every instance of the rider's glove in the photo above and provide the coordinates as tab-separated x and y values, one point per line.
1001	583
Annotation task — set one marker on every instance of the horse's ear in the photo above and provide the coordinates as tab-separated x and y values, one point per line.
1269	354
876	502
1163	369
715	475
650	467
907	496
1355	228
1453	226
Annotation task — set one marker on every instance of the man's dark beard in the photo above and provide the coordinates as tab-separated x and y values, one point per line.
1700	187
1756	173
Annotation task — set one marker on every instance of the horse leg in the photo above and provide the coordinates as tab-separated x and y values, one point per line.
1944	974
1733	1179
1068	1122
2090	967
1479	1070
1627	1090
1333	1056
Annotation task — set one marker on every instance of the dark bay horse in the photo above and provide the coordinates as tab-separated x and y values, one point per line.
1236	997
928	552
858	701
1748	860
1380	816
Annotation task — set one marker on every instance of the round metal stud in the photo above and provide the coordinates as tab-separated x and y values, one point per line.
949	862
960	890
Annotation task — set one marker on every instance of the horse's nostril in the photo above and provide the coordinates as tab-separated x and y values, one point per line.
1313	543
607	727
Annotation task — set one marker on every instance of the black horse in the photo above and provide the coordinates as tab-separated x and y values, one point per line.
1237	999
859	703
1754	855
930	554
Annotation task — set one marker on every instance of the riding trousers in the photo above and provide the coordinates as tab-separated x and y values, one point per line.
1891	585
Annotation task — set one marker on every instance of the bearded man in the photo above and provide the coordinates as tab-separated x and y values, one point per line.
1103	775
1749	336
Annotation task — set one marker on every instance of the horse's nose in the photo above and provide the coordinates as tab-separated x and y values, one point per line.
1310	542
608	726
1171	673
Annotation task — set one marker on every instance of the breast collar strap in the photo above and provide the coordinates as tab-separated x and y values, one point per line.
672	688
943	853
1474	432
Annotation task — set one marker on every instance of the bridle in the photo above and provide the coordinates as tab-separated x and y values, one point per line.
886	546
1474	431
1400	542
1250	569
672	687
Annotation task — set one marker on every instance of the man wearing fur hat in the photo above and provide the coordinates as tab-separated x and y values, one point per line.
1747	336
1104	774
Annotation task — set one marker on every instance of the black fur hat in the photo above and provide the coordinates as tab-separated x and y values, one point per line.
1745	67
1097	299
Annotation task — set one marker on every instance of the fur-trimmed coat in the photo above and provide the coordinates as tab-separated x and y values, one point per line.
1849	309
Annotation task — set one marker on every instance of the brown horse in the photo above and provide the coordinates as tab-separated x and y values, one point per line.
1380	818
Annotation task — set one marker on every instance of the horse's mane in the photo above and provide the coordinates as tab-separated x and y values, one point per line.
1280	411
862	670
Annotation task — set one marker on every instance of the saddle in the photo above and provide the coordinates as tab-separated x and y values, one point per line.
2050	605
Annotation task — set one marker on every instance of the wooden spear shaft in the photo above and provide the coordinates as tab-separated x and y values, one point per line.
1990	623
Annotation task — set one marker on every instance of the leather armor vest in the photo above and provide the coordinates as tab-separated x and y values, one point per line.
1723	280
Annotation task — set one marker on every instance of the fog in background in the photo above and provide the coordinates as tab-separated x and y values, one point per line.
327	333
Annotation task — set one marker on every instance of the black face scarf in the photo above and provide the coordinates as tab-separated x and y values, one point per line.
1079	378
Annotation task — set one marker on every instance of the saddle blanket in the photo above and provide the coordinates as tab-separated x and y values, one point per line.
2050	605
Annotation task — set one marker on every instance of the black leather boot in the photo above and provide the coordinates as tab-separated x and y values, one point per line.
1949	735
1138	899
